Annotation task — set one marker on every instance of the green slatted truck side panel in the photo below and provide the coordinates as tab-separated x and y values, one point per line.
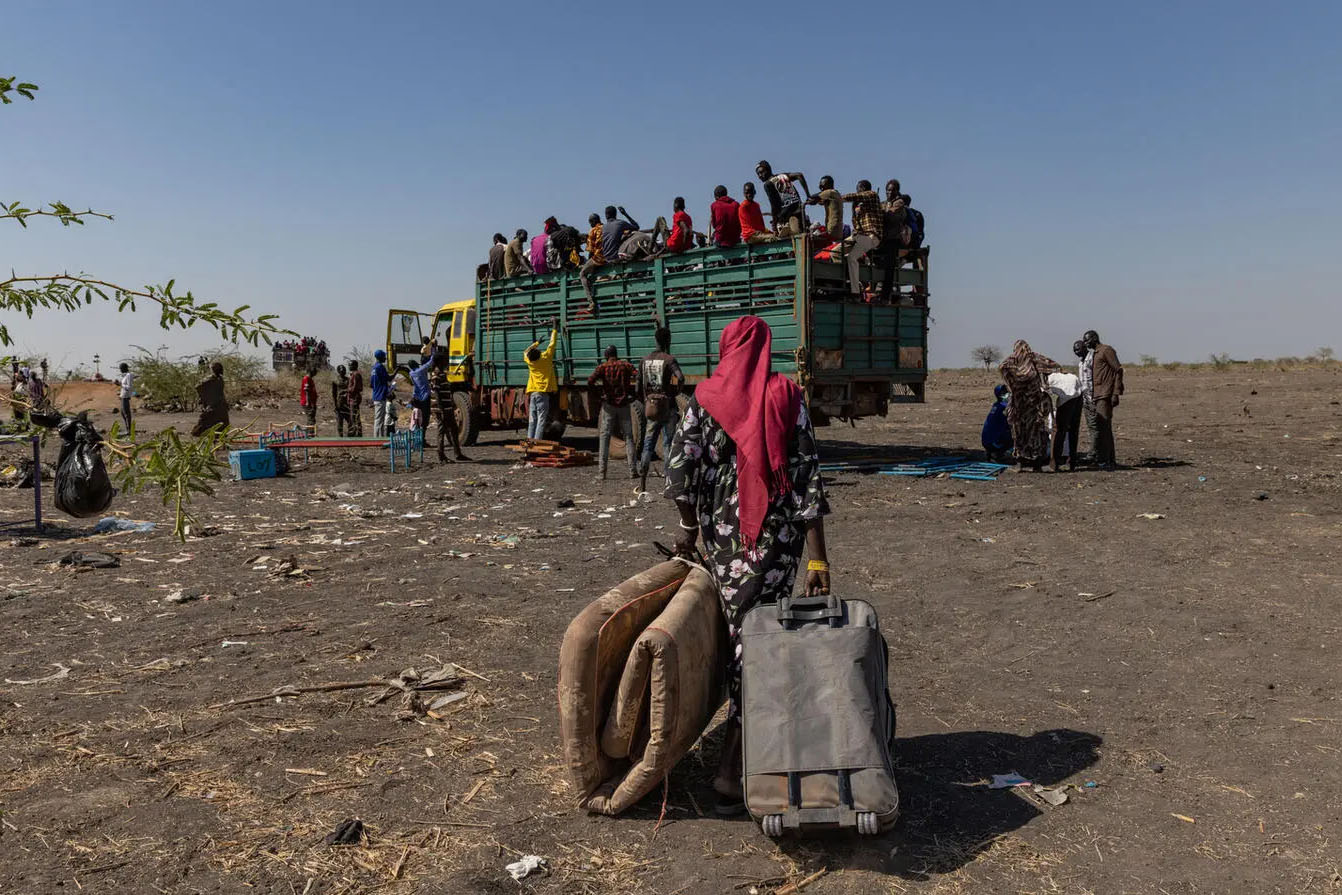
698	294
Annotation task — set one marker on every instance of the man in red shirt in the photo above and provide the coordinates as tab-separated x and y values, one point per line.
307	397
724	219
753	230
615	381
682	228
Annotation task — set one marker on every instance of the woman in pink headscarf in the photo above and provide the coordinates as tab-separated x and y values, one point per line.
744	472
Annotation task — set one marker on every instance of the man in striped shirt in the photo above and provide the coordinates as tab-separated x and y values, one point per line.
615	381
868	226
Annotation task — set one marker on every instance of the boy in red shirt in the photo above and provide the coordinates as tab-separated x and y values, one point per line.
682	228
307	398
752	219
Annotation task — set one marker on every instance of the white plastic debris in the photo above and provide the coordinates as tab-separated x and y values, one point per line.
525	867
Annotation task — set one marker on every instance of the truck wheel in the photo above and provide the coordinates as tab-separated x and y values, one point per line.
468	428
772	825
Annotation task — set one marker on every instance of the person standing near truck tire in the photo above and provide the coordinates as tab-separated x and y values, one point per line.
616	378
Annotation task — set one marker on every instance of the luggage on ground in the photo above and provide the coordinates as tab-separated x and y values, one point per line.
818	724
640	676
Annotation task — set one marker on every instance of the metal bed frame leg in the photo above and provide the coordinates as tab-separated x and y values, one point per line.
37	483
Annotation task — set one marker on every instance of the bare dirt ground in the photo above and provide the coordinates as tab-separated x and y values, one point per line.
1180	673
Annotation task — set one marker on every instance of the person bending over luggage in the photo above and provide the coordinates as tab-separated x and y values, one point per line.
744	472
996	434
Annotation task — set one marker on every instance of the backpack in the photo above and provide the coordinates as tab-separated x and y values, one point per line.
916	231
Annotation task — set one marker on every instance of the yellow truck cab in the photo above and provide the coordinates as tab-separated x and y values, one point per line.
452	328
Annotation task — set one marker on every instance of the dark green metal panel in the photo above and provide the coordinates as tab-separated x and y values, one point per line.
701	292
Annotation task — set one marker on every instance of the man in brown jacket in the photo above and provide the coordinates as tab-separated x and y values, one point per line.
1107	385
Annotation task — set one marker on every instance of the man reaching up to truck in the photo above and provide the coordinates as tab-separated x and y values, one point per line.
616	379
868	225
541	382
784	204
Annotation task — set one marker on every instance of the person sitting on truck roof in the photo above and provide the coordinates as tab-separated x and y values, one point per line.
784	204
541	383
616	380
541	250
833	202
614	231
724	219
596	258
682	228
867	229
496	253
515	263
643	244
753	230
562	250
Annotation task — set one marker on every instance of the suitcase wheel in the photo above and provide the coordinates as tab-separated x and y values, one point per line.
772	825
867	825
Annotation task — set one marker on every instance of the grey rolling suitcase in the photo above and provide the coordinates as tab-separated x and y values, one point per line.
817	722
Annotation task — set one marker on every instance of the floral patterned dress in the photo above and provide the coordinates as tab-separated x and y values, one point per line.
701	471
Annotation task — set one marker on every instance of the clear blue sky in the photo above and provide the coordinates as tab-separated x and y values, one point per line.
1165	173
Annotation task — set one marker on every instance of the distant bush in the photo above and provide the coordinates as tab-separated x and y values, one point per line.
170	385
1148	360
986	355
1220	361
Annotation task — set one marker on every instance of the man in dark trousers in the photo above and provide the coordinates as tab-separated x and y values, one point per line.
659	381
340	399
1106	375
353	398
447	411
614	380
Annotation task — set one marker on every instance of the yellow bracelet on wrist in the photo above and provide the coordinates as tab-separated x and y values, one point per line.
817	565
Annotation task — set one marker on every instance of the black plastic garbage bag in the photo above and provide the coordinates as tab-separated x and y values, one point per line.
83	487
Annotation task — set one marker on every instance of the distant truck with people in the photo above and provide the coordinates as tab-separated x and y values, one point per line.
300	354
853	354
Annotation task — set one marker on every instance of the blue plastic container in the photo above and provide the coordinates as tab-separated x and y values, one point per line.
253	464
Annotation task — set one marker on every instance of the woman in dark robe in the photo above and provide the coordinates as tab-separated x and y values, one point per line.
744	472
1025	373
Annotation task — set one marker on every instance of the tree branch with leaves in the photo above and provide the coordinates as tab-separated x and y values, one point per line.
180	468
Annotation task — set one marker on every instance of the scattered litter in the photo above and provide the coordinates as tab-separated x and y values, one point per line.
566	503
603	515
185	595
1006	781
565	590
444	701
412	515
1156	767
1184	817
525	867
62	672
1202	478
1056	797
112	523
988	540
228	643
1261	495
1150	515
1091	598
348	833
90	560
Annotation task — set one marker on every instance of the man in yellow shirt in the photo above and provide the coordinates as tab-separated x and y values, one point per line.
541	383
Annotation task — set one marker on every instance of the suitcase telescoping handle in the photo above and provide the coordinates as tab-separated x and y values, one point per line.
794	610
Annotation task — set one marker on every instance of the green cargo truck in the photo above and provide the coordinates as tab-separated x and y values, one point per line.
852	358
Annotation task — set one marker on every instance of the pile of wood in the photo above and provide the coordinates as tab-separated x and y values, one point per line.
551	454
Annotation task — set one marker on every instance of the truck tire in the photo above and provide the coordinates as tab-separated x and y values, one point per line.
468	428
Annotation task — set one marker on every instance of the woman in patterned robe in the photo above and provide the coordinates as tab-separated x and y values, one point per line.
744	473
1025	373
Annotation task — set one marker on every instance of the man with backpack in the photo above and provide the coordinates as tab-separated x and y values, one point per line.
659	381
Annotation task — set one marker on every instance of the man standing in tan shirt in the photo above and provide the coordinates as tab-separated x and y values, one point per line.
1106	377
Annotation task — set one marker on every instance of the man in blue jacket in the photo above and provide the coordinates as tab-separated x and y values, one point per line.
380	382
